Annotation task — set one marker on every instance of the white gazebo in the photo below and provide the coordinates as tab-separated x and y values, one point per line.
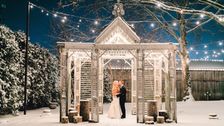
153	69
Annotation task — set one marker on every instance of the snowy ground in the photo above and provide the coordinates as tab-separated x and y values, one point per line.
189	114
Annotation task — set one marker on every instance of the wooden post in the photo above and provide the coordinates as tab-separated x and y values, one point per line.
134	85
100	84
94	85
140	87
68	84
63	69
167	86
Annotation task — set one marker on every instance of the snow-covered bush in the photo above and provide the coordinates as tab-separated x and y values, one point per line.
42	73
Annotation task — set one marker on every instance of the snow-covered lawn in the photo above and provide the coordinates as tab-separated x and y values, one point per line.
189	114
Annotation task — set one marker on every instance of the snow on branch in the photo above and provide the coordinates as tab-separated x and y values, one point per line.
219	18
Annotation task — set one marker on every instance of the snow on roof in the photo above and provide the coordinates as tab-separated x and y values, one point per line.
195	64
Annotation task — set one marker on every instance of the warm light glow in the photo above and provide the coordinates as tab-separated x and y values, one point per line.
174	24
72	40
55	15
197	22
132	25
96	22
202	15
181	11
158	4
63	20
152	25
93	31
31	6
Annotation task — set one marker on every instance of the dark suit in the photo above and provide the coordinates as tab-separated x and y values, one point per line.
122	96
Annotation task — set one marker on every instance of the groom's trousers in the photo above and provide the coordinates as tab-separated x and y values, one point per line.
123	109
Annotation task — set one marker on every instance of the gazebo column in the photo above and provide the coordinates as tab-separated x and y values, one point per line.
173	85
167	87
94	85
77	83
100	84
68	84
140	87
63	77
158	82
133	85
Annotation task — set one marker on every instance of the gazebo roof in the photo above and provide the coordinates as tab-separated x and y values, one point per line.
118	22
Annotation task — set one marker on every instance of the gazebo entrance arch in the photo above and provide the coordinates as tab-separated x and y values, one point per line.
153	70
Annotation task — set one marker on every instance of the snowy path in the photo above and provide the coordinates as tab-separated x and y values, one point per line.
189	114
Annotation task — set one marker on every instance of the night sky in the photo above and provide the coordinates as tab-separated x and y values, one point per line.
207	43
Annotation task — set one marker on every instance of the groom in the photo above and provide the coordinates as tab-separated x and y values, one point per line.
122	96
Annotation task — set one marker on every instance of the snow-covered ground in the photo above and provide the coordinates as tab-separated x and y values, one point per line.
189	114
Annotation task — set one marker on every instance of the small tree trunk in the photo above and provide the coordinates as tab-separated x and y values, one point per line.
184	58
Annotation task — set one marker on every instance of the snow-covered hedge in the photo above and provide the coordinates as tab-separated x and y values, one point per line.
42	73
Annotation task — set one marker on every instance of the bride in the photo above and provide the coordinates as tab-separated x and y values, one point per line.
114	110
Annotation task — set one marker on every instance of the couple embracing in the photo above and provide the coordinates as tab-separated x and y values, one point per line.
117	106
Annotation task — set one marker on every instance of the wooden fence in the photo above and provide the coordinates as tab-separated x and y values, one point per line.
206	84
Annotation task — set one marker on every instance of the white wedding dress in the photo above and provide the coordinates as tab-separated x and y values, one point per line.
114	109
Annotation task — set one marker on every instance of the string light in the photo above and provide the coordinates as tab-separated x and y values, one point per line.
132	25
96	22
63	20
77	26
42	11
31	6
72	40
197	53
197	22
202	15
191	48
220	43
158	5
55	15
152	25
93	31
47	14
206	52
80	20
174	24
205	46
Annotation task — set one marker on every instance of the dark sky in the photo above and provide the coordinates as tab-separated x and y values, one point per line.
14	16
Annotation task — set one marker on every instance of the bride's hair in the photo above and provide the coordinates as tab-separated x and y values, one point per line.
115	88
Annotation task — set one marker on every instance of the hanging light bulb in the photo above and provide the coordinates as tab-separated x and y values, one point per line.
220	43
214	52
65	18
158	4
132	25
77	26
205	46
72	40
191	48
47	14
80	20
42	11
